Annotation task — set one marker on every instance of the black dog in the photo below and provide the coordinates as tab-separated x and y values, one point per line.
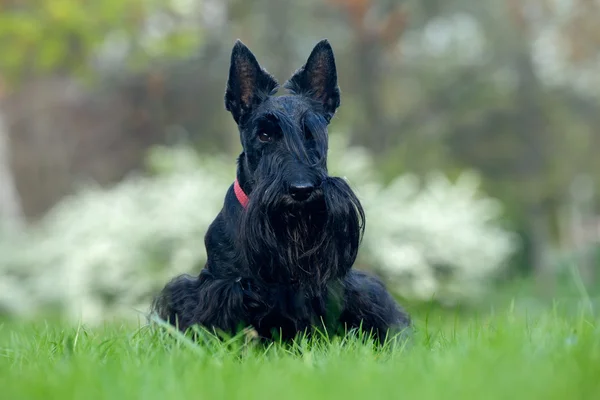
281	250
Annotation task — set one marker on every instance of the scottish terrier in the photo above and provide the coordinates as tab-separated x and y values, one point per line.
280	252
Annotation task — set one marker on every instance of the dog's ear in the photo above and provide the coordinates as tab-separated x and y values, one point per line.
317	78
248	84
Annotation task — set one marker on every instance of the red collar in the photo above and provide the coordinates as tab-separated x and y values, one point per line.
239	193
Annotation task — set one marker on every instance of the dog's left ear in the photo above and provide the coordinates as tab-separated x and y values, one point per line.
317	78
248	84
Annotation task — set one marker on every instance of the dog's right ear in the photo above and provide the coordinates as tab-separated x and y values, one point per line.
248	84
318	78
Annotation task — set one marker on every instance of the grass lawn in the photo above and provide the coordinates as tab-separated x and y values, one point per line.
507	356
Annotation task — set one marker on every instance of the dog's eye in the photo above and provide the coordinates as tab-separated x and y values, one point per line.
264	137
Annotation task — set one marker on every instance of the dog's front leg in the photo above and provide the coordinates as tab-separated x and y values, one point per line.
212	303
370	307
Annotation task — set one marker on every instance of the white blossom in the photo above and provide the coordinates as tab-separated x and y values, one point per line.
104	253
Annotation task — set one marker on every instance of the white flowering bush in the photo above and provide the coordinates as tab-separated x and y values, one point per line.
104	252
432	240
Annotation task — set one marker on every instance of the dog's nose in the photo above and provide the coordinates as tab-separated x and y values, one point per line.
301	191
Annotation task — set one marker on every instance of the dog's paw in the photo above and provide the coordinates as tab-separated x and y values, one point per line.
250	335
251	340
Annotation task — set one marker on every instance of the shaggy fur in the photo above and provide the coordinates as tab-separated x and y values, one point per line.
283	264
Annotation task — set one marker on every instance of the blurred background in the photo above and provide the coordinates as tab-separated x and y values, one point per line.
470	130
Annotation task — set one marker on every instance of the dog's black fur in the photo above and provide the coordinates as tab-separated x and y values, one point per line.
283	264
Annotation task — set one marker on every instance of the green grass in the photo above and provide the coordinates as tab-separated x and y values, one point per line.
508	356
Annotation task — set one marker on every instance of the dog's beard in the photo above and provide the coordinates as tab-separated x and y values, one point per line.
306	244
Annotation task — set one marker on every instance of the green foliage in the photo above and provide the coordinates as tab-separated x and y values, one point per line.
41	37
550	356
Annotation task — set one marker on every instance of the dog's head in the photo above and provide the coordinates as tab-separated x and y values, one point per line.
283	137
297	216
